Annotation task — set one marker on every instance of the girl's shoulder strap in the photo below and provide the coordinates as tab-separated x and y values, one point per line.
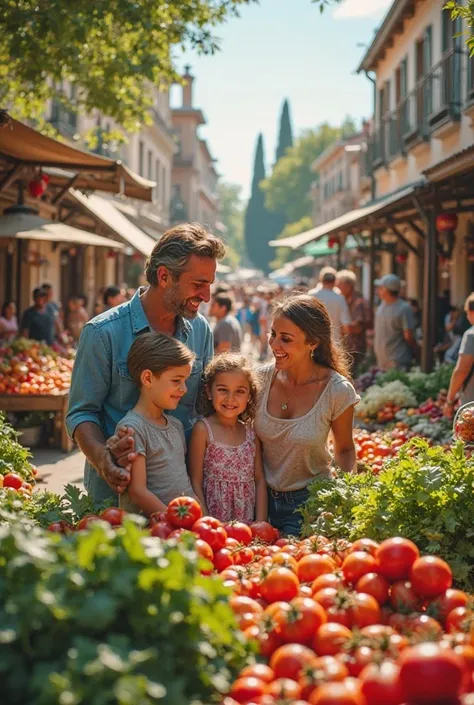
209	429
249	433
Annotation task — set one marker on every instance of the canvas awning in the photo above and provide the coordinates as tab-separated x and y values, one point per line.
103	210
21	145
345	222
291	267
321	248
32	227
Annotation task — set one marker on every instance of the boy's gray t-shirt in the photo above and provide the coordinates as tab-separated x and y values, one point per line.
228	330
164	448
391	348
467	348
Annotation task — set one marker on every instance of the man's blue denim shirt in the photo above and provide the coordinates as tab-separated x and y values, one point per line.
102	390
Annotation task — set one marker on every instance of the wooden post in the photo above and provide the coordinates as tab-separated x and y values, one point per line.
372	271
430	295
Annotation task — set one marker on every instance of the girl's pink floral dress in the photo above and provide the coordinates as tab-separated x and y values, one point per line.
229	478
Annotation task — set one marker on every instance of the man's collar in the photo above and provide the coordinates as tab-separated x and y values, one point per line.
140	321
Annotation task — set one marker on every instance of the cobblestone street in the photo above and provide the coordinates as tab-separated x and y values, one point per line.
56	469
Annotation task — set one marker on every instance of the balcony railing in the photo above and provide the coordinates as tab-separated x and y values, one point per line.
443	88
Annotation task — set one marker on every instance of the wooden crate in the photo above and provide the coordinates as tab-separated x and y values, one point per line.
57	403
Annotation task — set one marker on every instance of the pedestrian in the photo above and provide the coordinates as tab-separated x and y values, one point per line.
179	272
225	456
227	331
54	308
113	296
159	365
76	316
306	397
335	303
394	331
38	322
360	315
8	322
462	379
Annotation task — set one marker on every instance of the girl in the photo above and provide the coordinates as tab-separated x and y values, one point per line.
160	366
225	459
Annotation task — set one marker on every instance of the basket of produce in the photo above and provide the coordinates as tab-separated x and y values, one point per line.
463	426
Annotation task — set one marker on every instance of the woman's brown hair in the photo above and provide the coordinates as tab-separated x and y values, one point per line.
156	352
311	316
230	362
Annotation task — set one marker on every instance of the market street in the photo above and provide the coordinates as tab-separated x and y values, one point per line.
57	469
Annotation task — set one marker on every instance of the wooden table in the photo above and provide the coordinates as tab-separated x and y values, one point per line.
57	403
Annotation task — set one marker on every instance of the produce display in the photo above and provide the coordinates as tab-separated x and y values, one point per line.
16	472
464	423
393	395
29	367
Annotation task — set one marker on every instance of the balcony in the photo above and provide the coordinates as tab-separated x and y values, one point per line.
443	87
64	120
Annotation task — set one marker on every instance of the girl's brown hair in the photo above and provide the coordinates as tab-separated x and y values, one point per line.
156	352
311	316
230	362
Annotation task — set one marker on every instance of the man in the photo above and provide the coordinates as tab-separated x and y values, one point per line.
113	296
394	331
462	379
359	311
179	272
38	322
335	303
54	308
227	331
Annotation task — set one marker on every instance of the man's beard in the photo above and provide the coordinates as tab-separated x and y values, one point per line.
176	305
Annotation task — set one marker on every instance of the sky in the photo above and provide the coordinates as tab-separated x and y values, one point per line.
280	49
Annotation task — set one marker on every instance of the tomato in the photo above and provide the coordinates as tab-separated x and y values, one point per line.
459	619
263	531
313	565
285	560
364	610
325	669
375	585
366	545
327	580
258	670
290	659
403	597
60	527
395	558
156	517
284	689
431	576
357	564
336	694
425	627
214	535
381	684
243	556
240	604
87	521
431	674
114	516
183	512
443	604
161	529
12	480
204	550
244	689
268	641
300	620
330	639
279	584
239	531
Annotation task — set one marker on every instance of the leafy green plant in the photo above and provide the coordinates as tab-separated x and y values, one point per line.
111	618
424	386
425	494
13	456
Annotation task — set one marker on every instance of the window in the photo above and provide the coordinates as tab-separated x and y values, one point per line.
141	158
164	186
401	90
156	190
150	165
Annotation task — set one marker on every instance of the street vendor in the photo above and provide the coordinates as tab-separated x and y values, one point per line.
179	272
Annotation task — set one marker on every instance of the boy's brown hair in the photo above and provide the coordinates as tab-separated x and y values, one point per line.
156	352
230	362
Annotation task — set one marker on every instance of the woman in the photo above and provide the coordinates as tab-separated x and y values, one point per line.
462	379
305	395
8	321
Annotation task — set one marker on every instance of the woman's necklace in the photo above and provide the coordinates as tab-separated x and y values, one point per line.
284	406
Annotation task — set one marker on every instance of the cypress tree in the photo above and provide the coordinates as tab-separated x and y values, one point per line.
285	138
258	221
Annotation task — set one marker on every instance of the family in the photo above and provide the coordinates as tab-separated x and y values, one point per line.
245	442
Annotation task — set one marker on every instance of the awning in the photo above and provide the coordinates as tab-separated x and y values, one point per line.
291	267
344	222
103	210
32	227
21	145
321	247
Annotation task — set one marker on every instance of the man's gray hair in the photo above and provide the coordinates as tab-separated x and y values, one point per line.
346	276
177	245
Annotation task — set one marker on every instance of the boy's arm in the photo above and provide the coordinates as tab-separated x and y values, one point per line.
139	492
261	496
197	451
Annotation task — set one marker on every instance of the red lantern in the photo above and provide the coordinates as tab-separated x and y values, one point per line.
401	258
111	254
333	242
37	187
446	222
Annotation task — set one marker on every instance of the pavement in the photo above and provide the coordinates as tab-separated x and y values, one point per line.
57	469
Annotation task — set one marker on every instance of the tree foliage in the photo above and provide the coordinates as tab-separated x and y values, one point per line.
285	137
111	52
232	216
466	12
259	223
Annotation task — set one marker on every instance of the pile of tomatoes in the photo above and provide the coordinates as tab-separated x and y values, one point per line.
374	448
34	369
15	483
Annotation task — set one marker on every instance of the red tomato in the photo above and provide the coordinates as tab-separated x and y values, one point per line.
375	585
245	689
290	659
325	669
113	515
223	559
366	545
279	584
336	694
357	564
425	627
12	480
214	535
330	638
431	674
395	558
264	531
177	533
332	580
183	512
442	605
258	670
240	604
300	620
204	550
243	556
239	531
161	529
86	521
381	684
403	597
459	619
284	689
157	517
60	527
313	565
431	576
364	610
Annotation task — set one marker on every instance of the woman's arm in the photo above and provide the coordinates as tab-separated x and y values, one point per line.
139	492
344	448
196	453
261	495
459	376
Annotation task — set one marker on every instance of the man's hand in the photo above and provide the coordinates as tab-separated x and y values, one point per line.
116	477
122	447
